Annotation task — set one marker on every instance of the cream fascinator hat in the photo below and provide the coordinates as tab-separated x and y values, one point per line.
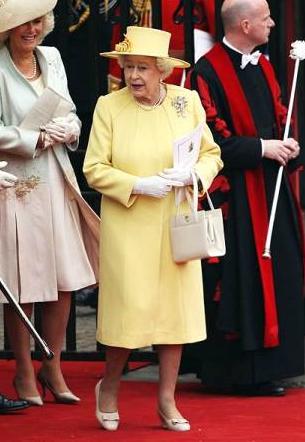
14	13
149	42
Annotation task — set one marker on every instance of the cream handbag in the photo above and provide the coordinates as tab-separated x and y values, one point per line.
198	234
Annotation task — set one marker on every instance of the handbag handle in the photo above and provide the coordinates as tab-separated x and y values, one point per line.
193	203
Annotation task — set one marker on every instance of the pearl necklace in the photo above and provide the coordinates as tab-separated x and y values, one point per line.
154	105
31	77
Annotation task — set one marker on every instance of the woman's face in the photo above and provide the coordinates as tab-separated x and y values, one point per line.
26	37
142	77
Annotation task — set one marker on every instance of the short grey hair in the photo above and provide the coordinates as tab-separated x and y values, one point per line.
163	64
47	28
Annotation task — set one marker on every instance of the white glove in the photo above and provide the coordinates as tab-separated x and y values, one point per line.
298	50
6	179
154	186
178	174
48	141
63	130
44	141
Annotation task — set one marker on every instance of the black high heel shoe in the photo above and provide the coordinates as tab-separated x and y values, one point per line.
66	397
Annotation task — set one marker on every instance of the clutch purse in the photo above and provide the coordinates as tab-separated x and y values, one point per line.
197	234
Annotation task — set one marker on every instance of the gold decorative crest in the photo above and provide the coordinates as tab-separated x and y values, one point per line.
23	187
180	105
123	46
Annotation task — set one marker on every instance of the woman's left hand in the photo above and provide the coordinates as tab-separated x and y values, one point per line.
63	130
178	174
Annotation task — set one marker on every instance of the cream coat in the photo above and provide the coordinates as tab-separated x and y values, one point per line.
145	298
29	261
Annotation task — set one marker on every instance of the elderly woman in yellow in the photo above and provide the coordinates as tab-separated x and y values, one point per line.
145	298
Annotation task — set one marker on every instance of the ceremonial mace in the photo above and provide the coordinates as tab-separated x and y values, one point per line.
298	54
12	301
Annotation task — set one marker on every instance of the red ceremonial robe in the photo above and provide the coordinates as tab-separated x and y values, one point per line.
268	326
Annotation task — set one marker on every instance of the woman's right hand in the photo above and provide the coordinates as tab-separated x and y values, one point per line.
6	179
154	186
44	141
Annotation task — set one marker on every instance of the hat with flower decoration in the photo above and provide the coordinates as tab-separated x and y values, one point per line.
147	42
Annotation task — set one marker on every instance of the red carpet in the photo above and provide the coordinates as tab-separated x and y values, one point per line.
214	418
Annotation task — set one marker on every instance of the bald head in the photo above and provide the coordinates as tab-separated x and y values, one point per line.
233	11
247	23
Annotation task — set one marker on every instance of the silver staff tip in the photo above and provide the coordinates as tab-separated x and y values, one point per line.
50	355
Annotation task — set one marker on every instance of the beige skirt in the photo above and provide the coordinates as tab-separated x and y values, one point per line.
42	250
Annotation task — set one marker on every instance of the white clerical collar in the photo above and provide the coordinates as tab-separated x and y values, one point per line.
245	58
225	41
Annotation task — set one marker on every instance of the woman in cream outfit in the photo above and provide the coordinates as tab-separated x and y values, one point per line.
48	234
145	298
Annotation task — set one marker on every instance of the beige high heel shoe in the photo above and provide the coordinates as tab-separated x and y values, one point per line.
109	421
174	424
32	400
65	397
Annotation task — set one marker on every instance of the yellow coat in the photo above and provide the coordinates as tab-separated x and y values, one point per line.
145	298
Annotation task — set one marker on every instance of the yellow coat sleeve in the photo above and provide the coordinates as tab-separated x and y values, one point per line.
209	162
100	173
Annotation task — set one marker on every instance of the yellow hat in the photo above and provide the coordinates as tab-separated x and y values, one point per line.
14	13
148	42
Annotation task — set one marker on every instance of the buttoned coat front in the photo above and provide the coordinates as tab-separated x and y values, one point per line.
24	207
145	298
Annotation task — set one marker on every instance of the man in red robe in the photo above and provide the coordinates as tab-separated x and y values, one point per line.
255	306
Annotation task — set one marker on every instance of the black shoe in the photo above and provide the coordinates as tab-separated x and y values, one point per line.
262	389
8	405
